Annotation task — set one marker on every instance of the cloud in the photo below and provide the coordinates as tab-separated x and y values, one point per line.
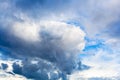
113	29
6	76
97	16
39	30
104	66
7	73
41	9
52	41
40	4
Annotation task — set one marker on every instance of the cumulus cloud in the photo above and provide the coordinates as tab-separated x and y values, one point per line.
52	44
55	42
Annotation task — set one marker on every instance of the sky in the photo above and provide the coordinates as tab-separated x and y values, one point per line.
59	39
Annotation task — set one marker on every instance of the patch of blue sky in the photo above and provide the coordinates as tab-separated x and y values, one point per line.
93	46
82	55
93	43
76	23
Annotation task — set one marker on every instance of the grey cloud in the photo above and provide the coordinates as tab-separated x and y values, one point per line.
42	70
114	29
57	43
17	68
97	15
41	8
55	47
45	4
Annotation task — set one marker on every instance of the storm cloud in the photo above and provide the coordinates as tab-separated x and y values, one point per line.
48	48
55	42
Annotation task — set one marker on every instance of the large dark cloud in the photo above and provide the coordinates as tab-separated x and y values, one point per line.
54	45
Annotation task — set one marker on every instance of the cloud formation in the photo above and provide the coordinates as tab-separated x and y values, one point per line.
53	45
56	42
37	32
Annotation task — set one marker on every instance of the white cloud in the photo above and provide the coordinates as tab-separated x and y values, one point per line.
26	30
7	76
104	65
31	32
56	42
71	36
96	16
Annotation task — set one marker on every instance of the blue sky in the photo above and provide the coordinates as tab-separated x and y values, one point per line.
60	39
